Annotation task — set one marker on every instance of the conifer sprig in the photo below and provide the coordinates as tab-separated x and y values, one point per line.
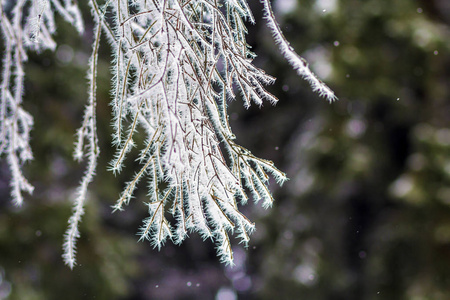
175	65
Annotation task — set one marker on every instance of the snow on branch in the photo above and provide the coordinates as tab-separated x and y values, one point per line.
175	65
25	25
87	132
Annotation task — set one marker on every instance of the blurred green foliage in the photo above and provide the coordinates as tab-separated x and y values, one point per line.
366	214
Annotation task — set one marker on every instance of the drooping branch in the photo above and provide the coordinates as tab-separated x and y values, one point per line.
175	64
297	62
87	132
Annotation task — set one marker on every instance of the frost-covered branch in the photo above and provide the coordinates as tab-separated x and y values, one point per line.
297	62
25	24
175	65
87	132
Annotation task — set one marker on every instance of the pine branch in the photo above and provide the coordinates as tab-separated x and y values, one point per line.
28	25
87	132
297	62
175	65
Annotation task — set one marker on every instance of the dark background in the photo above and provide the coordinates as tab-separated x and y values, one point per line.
365	215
